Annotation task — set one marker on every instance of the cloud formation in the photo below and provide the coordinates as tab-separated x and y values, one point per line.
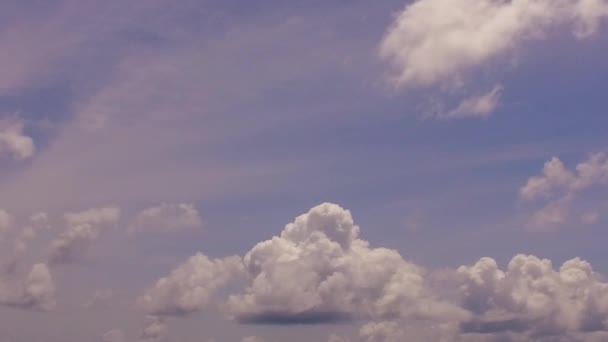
433	42
14	142
167	217
559	187
319	271
36	291
532	299
190	286
82	229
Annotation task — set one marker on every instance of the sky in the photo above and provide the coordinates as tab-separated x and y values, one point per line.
332	171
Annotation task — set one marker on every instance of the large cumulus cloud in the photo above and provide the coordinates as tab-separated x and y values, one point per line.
318	270
533	298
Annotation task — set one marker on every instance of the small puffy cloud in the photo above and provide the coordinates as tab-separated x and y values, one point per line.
481	106
156	330
436	41
83	228
13	141
190	286
167	217
560	186
319	271
37	291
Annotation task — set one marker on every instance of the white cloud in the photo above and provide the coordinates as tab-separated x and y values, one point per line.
481	106
560	187
318	271
36	291
190	286
533	299
13	141
83	228
437	41
167	217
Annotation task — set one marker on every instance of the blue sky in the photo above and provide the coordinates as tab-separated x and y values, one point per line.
168	129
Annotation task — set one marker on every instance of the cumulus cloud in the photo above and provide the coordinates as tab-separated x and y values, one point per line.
36	291
82	229
530	298
190	286
319	271
559	187
13	141
481	106
528	301
436	41
167	217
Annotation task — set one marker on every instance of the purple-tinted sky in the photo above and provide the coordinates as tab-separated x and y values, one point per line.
269	171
